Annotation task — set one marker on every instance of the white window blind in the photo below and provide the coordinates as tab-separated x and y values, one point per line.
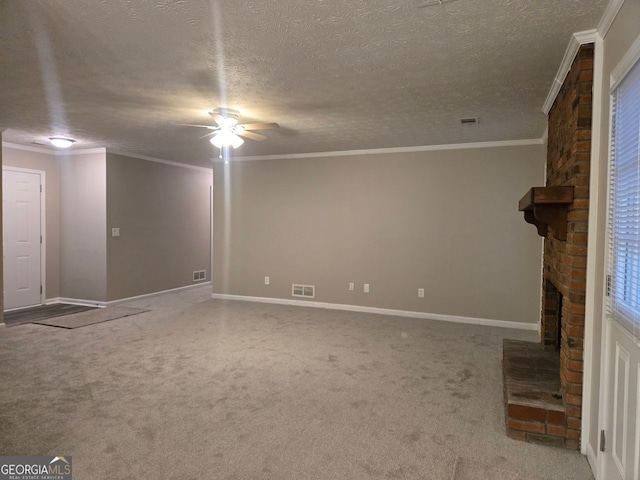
624	204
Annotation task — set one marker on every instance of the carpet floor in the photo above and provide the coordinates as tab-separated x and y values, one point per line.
198	388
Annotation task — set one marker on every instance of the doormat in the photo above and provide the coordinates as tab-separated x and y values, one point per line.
92	317
42	312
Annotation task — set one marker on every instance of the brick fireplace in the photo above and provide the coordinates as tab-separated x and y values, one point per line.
549	409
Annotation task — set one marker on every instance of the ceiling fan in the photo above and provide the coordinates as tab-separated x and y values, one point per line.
227	131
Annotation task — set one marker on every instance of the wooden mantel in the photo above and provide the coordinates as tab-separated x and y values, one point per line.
546	208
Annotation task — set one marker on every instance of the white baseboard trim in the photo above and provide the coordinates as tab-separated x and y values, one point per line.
592	458
76	301
156	294
100	304
382	311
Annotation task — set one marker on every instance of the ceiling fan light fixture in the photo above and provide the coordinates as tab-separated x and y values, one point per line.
226	138
61	142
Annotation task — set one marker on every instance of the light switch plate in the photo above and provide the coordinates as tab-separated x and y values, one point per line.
115	232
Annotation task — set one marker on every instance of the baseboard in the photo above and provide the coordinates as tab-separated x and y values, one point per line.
100	304
76	301
382	311
156	294
592	458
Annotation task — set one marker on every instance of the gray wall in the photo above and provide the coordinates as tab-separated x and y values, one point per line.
83	246
49	164
163	213
624	30
446	221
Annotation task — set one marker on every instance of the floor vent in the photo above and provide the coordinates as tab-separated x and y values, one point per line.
307	291
199	275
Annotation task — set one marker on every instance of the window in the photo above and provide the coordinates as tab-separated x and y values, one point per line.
624	203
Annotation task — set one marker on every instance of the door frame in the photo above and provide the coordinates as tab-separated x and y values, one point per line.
624	66
43	228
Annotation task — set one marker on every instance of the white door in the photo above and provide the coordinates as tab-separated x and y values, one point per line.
21	238
621	395
622	439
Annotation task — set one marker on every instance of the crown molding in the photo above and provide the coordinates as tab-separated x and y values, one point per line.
52	151
624	66
27	148
373	151
159	160
71	153
613	7
577	39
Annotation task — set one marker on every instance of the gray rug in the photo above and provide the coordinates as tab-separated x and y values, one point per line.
467	469
91	317
42	312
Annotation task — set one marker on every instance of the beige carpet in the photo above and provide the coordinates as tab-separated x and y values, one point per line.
91	317
472	470
207	389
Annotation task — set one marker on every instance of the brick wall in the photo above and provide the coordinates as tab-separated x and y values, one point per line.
568	156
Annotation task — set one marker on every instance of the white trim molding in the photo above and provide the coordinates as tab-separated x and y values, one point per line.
76	301
594	274
423	148
592	458
159	160
27	148
577	39
382	311
71	153
101	304
610	13
51	151
626	63
157	294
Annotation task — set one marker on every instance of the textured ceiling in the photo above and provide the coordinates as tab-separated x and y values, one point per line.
336	75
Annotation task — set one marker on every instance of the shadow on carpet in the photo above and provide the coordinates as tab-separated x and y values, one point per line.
42	312
467	469
91	317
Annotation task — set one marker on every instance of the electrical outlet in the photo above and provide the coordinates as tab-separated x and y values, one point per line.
421	293
352	287
267	281
366	288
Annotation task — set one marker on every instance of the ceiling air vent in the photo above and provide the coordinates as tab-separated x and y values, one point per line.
469	121
307	291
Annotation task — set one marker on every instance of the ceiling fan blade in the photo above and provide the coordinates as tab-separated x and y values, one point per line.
208	135
252	135
202	126
259	126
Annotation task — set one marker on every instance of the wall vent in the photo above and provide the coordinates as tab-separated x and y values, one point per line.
469	121
199	275
306	291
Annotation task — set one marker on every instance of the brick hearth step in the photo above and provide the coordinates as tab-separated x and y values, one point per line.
534	409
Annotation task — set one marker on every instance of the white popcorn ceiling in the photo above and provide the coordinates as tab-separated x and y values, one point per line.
336	75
